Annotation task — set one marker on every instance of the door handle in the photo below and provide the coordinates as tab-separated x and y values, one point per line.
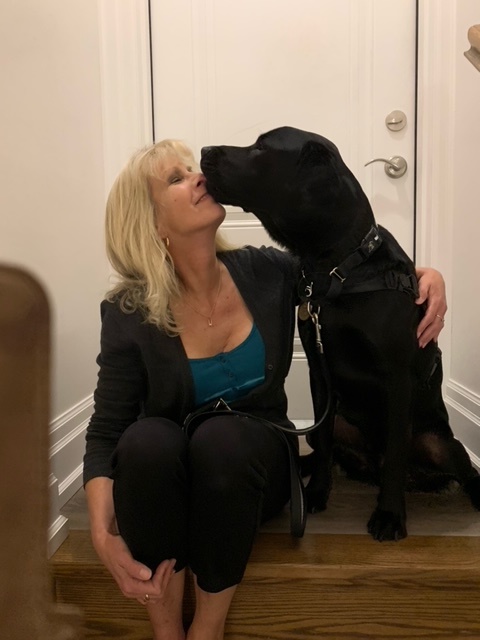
395	167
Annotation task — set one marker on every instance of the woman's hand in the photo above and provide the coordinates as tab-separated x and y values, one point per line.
432	290
134	578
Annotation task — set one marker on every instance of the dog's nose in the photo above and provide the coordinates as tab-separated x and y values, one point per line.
207	150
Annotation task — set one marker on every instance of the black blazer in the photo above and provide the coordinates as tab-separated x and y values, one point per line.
143	372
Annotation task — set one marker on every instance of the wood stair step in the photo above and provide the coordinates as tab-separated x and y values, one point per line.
342	587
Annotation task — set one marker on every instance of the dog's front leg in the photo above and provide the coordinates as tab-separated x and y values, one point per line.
320	483
389	520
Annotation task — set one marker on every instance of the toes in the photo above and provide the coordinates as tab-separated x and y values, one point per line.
386	525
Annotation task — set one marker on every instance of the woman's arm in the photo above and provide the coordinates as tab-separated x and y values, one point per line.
118	396
119	393
134	578
108	544
432	291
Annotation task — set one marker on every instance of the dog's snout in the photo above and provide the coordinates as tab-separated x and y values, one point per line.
207	151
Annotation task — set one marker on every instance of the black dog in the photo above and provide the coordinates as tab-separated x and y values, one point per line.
358	289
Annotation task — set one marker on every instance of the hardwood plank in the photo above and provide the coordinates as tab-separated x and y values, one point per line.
317	549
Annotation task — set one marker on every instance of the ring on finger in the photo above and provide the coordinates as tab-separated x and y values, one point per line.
440	317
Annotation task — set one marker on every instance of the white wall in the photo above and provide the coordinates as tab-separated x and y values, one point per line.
52	195
75	104
52	174
449	205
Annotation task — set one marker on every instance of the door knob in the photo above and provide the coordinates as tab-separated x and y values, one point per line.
395	167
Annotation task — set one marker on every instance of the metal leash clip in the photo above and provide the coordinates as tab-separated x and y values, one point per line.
308	287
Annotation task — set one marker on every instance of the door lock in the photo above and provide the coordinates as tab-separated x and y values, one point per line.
396	120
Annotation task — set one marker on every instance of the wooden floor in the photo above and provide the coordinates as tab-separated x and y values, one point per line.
334	583
323	586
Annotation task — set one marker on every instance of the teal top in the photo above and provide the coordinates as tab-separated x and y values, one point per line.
231	374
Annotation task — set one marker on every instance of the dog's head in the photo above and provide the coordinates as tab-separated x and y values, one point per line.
294	181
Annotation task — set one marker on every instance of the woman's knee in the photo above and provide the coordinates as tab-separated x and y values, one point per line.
151	441
223	455
218	441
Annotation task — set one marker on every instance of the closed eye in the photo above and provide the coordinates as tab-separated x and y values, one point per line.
177	175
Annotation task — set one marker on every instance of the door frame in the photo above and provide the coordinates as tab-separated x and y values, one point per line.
436	62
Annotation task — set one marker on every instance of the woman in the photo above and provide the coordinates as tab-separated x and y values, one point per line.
189	321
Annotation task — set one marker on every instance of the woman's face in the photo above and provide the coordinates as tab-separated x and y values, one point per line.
181	201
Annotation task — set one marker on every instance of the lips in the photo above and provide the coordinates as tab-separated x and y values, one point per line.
205	195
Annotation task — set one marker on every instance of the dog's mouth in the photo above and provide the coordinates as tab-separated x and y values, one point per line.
219	195
213	190
216	186
209	168
217	191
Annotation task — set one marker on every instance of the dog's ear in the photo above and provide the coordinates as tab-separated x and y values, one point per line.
315	153
317	173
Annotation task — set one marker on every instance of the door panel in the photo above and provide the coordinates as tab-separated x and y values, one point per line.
225	71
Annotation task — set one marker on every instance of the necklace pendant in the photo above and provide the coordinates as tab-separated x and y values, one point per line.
210	322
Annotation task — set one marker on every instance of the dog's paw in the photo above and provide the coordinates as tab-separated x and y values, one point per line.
386	525
472	488
316	500
315	507
318	491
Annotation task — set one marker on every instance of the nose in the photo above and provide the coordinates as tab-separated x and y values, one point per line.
207	150
200	179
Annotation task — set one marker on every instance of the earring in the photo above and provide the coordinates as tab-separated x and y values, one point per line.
167	242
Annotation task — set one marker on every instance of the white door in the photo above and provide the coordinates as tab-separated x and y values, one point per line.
225	71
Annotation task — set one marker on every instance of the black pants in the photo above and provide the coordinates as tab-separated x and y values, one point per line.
200	501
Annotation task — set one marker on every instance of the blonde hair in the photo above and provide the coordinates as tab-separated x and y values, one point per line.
146	278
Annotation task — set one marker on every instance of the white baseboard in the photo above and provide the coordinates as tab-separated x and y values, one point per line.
463	407
57	533
67	445
72	483
67	438
58	527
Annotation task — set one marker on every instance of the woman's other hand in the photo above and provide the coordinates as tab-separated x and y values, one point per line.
432	291
134	579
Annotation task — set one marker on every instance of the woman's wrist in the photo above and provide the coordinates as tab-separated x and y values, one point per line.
102	531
